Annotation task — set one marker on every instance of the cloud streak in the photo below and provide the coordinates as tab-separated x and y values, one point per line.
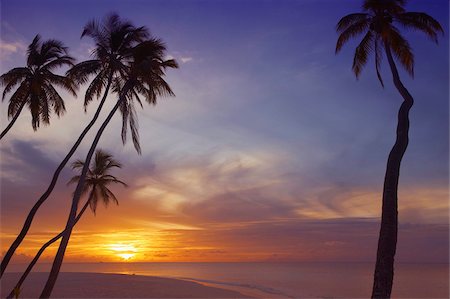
8	49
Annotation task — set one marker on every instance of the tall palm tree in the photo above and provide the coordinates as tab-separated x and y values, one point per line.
114	38
36	83
144	77
97	183
378	22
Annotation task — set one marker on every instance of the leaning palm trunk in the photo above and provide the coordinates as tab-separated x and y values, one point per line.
57	262
44	247
13	120
49	190
387	242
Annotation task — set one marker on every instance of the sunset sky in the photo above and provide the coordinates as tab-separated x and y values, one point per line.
270	151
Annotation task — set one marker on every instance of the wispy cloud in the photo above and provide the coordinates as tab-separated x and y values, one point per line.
186	59
180	57
8	48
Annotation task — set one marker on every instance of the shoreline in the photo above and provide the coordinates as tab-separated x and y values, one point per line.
113	285
252	291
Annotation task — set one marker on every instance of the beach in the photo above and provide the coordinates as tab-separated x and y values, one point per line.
257	280
98	285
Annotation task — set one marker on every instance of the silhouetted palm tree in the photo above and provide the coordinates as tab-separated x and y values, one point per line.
378	23
144	76
97	183
113	38
35	83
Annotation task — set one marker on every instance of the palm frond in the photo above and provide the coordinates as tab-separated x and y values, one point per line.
112	196
62	81
93	30
401	49
132	36
74	179
161	87
12	78
78	164
105	195
53	102
136	96
151	49
108	179
20	96
362	52
352	31
113	163
349	20
33	51
94	199
390	6
378	58
53	48
55	99
36	110
171	63
134	126
65	60
125	111
44	107
95	88
81	72
421	22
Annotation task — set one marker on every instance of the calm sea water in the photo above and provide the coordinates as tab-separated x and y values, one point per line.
275	280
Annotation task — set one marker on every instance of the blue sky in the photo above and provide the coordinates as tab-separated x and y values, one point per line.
267	123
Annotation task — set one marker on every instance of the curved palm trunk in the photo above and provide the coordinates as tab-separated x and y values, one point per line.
44	247
13	120
57	262
49	190
387	242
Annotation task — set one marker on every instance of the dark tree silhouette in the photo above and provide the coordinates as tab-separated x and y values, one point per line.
378	24
143	76
36	83
97	183
113	39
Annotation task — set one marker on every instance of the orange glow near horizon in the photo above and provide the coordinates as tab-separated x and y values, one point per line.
145	237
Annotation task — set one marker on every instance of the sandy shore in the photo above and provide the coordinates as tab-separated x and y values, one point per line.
96	285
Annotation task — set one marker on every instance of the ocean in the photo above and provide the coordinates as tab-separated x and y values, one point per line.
285	280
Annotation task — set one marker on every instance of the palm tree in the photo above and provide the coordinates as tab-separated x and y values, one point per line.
35	83
98	180
113	38
143	77
378	23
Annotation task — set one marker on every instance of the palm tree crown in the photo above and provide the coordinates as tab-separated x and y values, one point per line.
114	38
378	22
36	81
99	178
144	78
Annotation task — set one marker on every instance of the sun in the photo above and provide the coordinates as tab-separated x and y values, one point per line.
125	252
126	256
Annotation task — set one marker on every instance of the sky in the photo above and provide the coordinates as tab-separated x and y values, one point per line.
271	149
